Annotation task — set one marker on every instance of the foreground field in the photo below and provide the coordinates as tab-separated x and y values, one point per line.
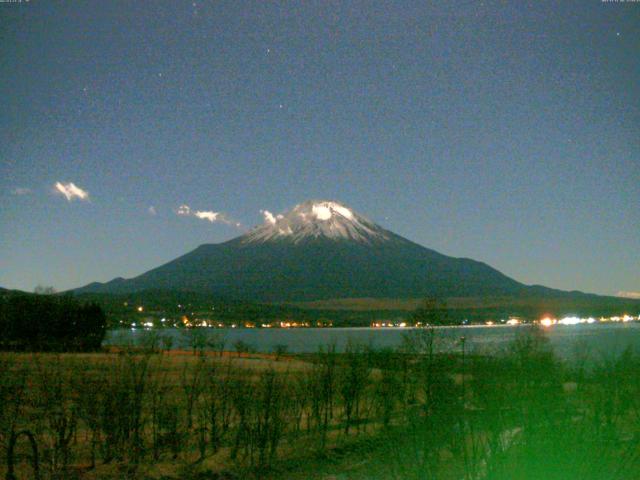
362	414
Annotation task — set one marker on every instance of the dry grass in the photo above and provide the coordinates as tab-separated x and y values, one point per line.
358	415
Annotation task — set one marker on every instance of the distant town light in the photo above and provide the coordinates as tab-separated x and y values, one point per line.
569	321
547	322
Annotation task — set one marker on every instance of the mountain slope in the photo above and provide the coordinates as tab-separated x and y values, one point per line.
321	250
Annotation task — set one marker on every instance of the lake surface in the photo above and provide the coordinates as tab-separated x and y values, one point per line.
596	339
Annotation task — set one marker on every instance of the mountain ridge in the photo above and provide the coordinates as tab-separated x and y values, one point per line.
323	250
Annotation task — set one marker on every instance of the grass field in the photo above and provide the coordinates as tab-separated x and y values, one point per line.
361	414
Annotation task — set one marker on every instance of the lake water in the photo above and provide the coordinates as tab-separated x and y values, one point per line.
596	339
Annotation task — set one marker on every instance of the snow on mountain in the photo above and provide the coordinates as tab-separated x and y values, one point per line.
313	219
323	250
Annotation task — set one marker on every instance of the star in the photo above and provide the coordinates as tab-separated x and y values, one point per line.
281	106
617	34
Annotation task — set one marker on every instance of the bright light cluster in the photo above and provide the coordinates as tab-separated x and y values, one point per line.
573	320
391	324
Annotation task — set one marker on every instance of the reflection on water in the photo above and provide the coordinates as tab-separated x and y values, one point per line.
597	339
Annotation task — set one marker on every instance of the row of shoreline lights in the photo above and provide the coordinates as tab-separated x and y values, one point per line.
548	321
545	322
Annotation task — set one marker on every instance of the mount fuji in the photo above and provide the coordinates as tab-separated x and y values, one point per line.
324	250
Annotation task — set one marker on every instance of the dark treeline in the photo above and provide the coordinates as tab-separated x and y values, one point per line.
50	323
123	309
175	304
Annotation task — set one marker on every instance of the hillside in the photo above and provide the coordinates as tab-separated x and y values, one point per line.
322	251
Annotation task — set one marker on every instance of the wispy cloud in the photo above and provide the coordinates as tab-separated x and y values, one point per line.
20	191
270	217
210	216
70	191
635	295
184	210
152	210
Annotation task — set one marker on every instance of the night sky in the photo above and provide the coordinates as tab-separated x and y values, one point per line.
507	132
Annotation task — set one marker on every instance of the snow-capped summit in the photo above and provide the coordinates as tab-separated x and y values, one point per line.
317	218
323	250
318	250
